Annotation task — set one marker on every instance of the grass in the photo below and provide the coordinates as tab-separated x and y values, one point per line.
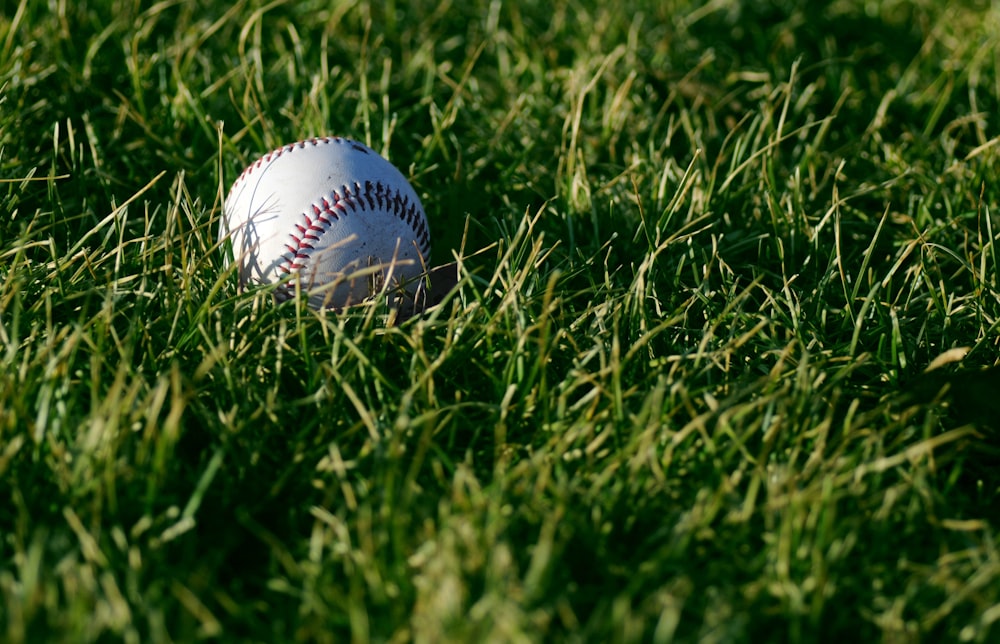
707	252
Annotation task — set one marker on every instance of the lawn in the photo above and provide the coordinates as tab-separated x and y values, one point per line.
707	252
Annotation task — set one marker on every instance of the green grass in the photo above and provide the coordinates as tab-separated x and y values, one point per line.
707	251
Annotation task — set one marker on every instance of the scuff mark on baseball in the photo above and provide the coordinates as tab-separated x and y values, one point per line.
329	217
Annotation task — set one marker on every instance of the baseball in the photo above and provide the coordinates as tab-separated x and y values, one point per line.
328	217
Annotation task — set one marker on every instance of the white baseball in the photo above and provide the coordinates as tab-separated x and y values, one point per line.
329	216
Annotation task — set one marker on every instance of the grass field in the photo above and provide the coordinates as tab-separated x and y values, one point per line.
708	251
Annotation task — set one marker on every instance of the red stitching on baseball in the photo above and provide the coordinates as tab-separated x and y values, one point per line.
331	208
334	206
291	147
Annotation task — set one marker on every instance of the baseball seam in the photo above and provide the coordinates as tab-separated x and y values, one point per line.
372	196
291	147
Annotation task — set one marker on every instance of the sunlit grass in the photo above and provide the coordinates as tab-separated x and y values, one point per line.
705	254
